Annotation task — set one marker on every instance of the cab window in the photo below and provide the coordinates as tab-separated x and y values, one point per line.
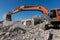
52	14
59	12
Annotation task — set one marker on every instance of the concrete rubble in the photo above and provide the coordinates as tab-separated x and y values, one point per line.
16	30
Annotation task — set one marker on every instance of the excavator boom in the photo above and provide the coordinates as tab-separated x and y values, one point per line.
27	8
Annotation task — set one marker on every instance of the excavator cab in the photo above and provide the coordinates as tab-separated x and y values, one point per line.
54	19
55	16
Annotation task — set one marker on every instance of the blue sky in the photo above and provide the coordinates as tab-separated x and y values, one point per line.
9	5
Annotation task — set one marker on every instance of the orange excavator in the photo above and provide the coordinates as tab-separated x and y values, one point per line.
53	15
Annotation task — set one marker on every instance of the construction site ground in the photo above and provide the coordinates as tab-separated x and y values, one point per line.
11	30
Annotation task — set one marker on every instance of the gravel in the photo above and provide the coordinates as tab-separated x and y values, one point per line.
17	31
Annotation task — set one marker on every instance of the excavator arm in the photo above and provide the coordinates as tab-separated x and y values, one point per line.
28	8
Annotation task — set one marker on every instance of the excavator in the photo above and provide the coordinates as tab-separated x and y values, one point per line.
53	16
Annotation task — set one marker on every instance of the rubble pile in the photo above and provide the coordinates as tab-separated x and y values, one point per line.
15	30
